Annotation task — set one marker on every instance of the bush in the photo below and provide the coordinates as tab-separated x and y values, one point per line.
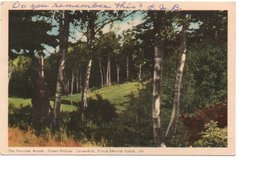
20	117
213	136
91	126
100	110
134	127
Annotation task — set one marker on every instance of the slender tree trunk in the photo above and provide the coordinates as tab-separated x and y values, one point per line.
108	75
90	37
156	111
86	85
77	81
117	74
177	87
101	74
41	109
64	33
105	78
42	66
80	80
10	70
127	68
72	81
140	72
66	88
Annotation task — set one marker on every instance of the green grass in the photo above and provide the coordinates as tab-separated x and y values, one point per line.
20	102
116	94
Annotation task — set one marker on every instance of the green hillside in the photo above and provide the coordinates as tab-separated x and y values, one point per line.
116	94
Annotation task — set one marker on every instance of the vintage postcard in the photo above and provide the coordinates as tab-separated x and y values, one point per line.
117	78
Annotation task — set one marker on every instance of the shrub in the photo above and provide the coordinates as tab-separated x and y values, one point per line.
92	124
134	127
213	136
19	117
100	110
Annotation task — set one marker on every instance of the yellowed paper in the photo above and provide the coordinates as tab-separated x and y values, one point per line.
173	7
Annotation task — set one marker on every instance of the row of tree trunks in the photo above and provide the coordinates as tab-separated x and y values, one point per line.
72	84
105	80
107	77
64	33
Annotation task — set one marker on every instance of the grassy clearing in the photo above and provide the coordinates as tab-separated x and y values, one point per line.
116	94
21	102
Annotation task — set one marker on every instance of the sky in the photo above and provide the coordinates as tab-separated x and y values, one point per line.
118	27
76	34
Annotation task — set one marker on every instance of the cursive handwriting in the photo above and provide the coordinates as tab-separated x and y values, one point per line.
124	5
86	6
97	5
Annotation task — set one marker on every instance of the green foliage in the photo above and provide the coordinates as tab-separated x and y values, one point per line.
213	136
100	110
20	83
50	72
117	113
204	80
28	35
134	126
20	117
99	113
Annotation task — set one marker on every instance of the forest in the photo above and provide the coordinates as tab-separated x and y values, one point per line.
117	78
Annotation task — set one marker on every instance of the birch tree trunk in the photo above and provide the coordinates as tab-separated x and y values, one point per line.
101	74
117	74
64	33
90	38
72	82
80	80
42	66
86	86
177	87
156	112
108	75
127	68
140	72
77	81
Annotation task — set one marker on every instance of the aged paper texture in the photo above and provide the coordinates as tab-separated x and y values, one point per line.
86	78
